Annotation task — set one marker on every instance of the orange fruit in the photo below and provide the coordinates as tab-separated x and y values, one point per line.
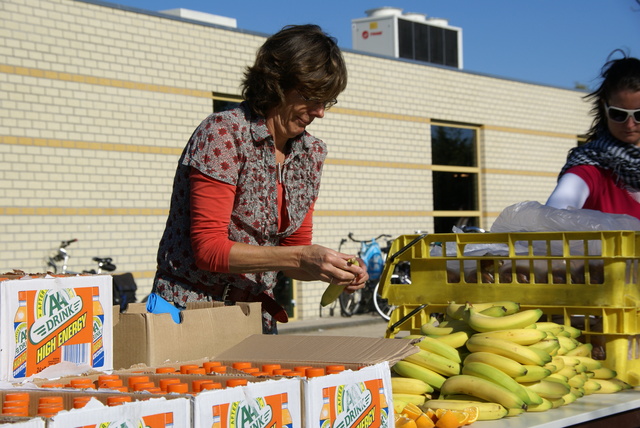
450	418
472	415
424	421
405	422
411	411
432	414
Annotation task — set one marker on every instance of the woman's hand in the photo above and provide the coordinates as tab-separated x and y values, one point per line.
324	264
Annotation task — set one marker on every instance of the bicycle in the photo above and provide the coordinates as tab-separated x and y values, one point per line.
124	285
367	299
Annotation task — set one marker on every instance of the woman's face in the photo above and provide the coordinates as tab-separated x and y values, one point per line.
291	118
627	131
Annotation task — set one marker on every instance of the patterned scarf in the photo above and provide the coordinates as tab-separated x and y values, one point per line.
611	154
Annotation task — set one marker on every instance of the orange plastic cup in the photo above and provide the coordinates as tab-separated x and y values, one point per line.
314	372
251	370
117	400
269	368
82	383
143	386
210	385
236	382
185	367
178	388
165	370
17	396
135	379
196	385
208	365
110	383
239	365
80	402
197	371
166	381
335	368
219	369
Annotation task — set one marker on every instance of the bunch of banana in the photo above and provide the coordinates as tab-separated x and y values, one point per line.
456	310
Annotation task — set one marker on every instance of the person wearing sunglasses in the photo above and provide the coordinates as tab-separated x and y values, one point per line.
604	173
247	181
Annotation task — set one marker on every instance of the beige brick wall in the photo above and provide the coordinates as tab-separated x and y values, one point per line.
96	104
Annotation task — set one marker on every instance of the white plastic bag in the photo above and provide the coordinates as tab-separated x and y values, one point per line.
531	216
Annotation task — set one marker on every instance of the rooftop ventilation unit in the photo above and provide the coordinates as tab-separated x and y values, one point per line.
387	31
202	16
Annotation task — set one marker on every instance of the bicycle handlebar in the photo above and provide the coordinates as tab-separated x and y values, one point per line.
383	235
65	244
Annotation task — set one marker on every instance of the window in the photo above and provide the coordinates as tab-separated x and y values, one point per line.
454	154
223	102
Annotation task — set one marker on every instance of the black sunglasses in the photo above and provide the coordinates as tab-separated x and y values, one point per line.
621	115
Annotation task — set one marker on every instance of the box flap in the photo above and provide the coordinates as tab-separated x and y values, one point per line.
154	339
319	349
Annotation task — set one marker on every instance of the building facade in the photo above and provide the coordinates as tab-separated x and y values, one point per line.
97	102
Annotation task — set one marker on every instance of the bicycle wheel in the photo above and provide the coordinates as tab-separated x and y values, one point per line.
350	303
383	308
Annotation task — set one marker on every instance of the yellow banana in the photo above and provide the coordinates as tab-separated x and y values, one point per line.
557	402
534	373
439	347
521	336
534	399
607	386
568	360
494	311
507	365
409	385
483	323
435	362
483	389
542	407
591	387
558	362
456	339
548	389
573	332
332	291
551	367
416	399
584	350
514	412
558	377
550	346
456	310
577	391
589	362
549	326
569	398
567	371
576	382
623	384
603	373
566	343
521	354
407	369
487	411
492	374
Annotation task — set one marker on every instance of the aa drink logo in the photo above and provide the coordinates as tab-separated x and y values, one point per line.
122	423
257	414
53	308
353	401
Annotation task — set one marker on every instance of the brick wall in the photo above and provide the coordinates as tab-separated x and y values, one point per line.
97	102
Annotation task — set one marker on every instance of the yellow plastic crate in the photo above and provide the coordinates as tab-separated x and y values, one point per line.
613	332
539	268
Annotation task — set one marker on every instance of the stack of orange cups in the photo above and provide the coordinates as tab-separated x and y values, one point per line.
16	404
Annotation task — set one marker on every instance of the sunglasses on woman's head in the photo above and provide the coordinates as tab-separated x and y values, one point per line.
621	115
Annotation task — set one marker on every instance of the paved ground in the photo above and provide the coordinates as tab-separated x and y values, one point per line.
366	325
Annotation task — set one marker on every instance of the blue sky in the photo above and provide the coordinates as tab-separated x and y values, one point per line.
551	42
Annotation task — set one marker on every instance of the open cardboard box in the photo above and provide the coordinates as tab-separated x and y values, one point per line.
359	396
207	328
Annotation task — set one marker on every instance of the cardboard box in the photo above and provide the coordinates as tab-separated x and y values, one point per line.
359	396
49	320
270	403
144	411
206	330
8	422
